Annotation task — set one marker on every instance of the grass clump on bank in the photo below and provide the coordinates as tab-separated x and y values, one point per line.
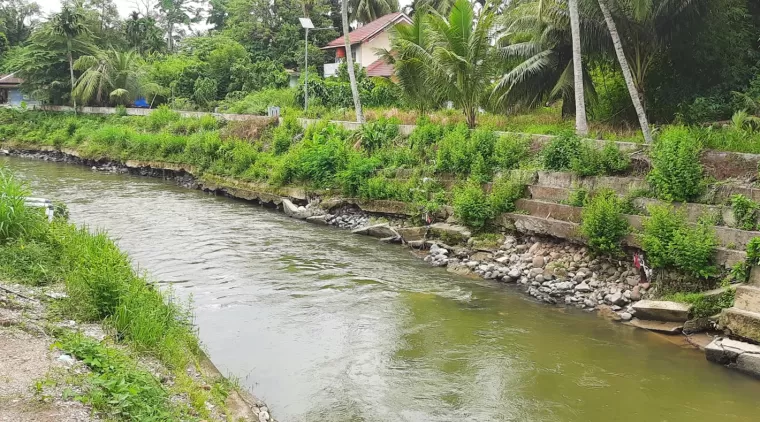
103	287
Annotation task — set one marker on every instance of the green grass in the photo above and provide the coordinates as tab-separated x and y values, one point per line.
102	286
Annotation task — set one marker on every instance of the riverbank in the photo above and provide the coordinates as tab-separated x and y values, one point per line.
551	270
100	341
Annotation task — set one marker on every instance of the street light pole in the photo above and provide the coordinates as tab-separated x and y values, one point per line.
306	71
307	25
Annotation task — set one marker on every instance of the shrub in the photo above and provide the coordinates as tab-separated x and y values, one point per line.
559	153
745	212
358	170
379	187
589	161
453	153
317	159
424	135
505	191
602	224
375	135
577	197
676	170
161	117
669	241
471	205
753	251
510	150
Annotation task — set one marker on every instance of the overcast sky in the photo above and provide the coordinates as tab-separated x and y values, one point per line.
125	6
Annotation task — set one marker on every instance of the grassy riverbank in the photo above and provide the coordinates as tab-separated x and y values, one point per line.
143	323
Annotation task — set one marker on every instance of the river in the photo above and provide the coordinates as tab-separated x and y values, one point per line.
327	326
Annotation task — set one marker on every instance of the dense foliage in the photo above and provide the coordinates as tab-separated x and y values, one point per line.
603	225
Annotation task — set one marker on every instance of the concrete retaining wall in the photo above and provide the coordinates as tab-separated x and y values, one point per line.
147	111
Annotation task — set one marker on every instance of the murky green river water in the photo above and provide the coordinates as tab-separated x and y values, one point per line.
326	326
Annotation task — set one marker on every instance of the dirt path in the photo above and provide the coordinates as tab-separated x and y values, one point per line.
26	360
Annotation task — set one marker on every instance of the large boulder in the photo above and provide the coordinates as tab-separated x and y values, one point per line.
293	210
738	355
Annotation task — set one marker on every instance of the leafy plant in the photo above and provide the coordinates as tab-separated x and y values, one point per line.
753	251
676	170
589	161
510	150
669	241
505	191
602	224
471	205
559	153
578	197
705	306
745	212
375	135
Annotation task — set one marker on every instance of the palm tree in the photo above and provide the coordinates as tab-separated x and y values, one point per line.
365	11
581	124
462	61
350	65
536	46
410	55
645	28
629	82
69	23
111	76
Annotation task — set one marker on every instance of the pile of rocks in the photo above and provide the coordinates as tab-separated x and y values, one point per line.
347	218
551	271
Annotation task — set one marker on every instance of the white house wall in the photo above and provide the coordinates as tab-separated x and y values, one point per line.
367	52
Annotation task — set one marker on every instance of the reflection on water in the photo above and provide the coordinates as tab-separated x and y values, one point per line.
326	326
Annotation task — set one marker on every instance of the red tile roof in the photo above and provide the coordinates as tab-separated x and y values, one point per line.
363	33
380	68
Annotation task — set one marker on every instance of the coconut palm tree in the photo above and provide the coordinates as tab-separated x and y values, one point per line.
350	64
365	11
581	124
69	24
625	68
462	59
411	55
536	47
111	76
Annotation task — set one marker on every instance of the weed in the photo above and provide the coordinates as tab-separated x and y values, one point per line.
505	191
745	212
471	205
676	170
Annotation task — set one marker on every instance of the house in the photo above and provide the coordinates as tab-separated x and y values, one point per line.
10	92
365	43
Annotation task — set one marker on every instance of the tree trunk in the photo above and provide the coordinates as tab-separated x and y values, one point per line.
350	64
636	96
581	125
170	34
71	72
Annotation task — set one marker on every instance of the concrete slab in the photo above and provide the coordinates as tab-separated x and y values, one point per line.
657	326
744	357
748	298
662	310
378	230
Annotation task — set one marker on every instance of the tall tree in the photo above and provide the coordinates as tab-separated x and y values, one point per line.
143	34
637	104
217	14
536	51
69	24
17	19
174	13
462	64
350	65
581	124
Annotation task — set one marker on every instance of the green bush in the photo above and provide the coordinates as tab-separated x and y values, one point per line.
424	136
505	191
559	153
676	170
161	117
753	252
669	242
377	134
318	159
745	212
578	197
379	187
16	219
602	224
471	205
510	150
589	161
358	170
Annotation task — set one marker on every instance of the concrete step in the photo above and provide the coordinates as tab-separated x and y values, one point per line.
738	355
748	298
741	323
662	310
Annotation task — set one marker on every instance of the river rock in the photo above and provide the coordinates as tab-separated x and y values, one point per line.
625	316
583	287
636	293
563	285
538	262
617	298
514	273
